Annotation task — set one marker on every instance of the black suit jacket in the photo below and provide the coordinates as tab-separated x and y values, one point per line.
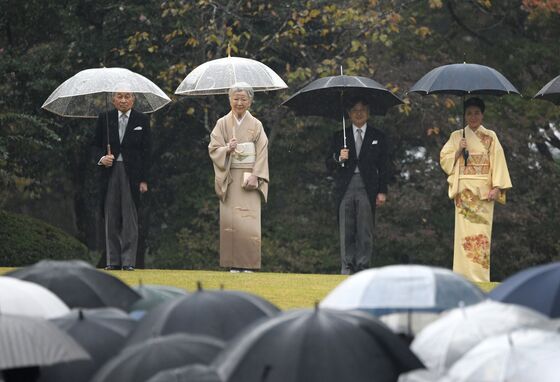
373	163
135	149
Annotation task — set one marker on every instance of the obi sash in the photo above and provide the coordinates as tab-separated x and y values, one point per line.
244	154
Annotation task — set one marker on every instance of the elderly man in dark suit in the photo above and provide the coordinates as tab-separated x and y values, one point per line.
125	175
360	173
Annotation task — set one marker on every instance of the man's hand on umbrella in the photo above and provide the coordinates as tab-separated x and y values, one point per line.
232	145
343	154
107	160
143	187
380	199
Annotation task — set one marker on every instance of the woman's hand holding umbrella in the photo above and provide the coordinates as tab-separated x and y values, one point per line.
462	148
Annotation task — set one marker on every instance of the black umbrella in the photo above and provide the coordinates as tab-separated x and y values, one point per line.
189	373
318	345
536	287
79	284
220	314
153	295
461	80
101	332
327	97
550	91
139	363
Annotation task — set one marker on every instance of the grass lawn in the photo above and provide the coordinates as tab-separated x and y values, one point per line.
285	290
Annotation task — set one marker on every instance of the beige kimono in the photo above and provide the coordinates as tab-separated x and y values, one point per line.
240	209
469	187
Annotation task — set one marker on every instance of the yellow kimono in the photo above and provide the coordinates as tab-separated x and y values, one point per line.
469	187
240	209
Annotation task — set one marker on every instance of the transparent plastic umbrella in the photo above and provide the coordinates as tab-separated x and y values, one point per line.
403	288
32	341
217	76
446	340
29	299
522	355
88	93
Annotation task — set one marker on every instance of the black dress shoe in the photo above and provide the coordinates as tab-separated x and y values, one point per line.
113	268
127	268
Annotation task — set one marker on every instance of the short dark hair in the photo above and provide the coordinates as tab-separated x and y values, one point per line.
474	101
351	102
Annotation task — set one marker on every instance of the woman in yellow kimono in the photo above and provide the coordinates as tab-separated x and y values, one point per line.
474	188
239	151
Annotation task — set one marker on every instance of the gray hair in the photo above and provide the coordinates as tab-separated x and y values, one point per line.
114	94
241	87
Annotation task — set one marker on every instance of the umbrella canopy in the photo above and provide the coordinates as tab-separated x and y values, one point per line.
87	93
464	79
189	373
101	332
403	288
444	341
29	341
29	299
326	97
315	345
461	80
217	76
409	323
153	295
536	287
419	375
519	356
550	91
79	284
139	363
220	314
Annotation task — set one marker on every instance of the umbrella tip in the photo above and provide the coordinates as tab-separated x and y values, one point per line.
316	305
228	49
199	286
80	314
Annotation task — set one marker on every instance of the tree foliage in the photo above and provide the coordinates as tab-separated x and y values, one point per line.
392	41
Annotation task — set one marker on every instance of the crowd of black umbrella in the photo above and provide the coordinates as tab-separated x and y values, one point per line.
67	321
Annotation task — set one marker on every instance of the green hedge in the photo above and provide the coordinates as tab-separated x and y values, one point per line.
25	240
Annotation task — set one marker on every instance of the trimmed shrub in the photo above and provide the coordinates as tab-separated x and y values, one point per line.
25	240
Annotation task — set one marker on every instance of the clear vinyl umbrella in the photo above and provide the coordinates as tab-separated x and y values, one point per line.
446	340
29	299
87	93
217	76
31	341
518	356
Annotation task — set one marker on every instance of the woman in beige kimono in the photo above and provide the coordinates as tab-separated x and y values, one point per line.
474	188
239	151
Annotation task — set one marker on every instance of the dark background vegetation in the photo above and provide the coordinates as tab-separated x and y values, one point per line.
46	171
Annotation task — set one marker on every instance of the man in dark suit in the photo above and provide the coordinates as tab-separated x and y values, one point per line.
124	164
360	173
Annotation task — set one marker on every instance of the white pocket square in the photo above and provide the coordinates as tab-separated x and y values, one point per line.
374	142
140	128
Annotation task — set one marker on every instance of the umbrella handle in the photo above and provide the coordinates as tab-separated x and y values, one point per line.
109	149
